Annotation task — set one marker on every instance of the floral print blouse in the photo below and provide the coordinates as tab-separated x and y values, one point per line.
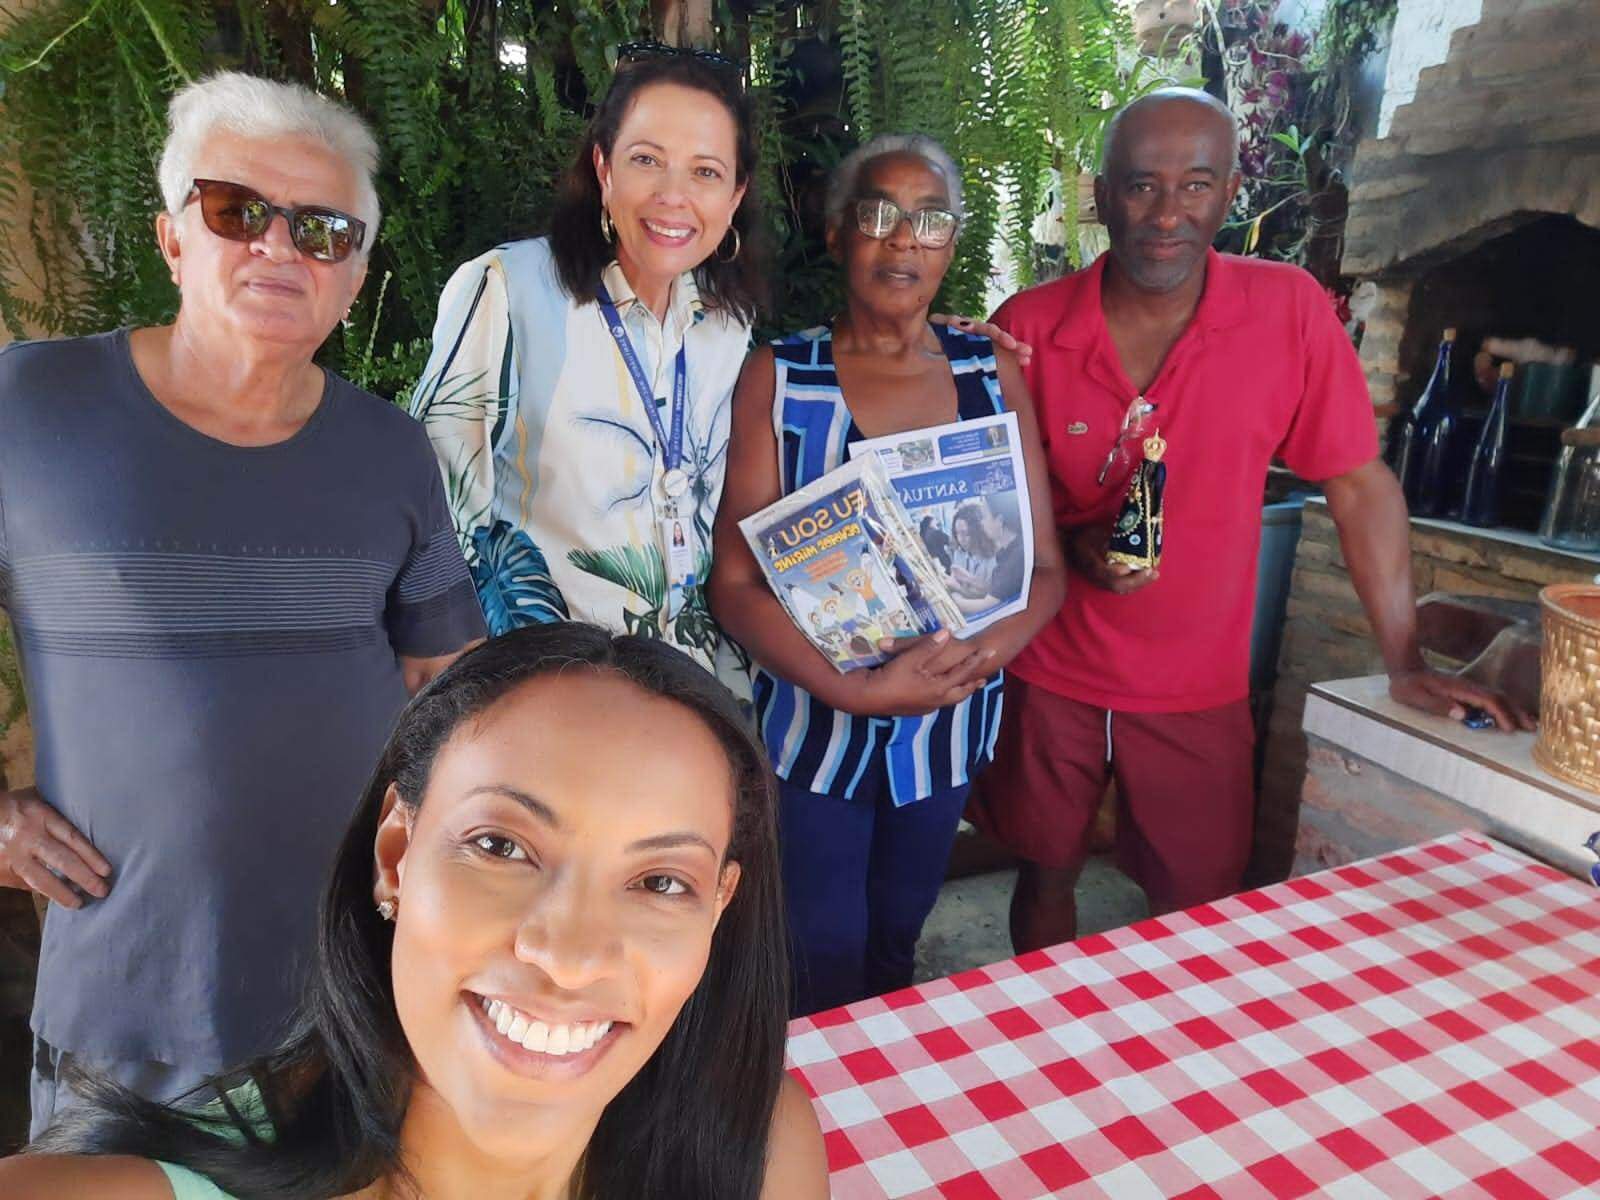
550	463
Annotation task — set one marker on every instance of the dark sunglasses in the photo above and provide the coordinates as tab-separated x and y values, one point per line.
635	52
932	227
243	214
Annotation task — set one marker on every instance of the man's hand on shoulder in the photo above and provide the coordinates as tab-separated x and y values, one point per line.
1450	696
990	330
43	851
1085	549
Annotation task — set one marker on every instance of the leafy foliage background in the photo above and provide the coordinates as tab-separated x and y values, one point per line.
477	104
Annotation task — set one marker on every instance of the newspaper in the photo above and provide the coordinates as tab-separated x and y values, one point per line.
965	488
842	558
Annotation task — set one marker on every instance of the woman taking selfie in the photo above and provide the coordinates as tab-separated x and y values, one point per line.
542	973
875	765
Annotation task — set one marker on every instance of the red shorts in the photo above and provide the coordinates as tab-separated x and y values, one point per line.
1185	787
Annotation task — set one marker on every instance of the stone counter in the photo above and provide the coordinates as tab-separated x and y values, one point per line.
1380	775
1326	636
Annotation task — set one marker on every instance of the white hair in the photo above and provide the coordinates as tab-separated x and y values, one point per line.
233	102
847	175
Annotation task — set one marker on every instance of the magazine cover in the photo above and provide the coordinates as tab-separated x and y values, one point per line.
964	489
841	557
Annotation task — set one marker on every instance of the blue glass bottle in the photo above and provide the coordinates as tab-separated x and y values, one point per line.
1436	418
1420	445
1482	503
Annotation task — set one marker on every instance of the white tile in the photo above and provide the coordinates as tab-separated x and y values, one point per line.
1142	1017
883	1029
1128	1182
1345	1106
1277	1130
1202	1067
1147	955
955	1008
1467	1061
1075	1037
1062	1119
850	1107
899	1174
1428	1169
808	1048
1203	999
1005	1060
1408	1082
1558	1119
1270	1050
1023	989
983	1146
1205	1158
1497	1144
930	1083
1136	1095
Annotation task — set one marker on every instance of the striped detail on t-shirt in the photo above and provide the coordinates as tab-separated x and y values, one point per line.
133	604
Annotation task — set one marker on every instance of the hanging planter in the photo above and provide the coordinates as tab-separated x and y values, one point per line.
1160	26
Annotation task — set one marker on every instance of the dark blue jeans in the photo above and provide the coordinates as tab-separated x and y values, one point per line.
860	877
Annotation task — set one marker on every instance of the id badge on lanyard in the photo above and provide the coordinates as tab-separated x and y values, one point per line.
677	549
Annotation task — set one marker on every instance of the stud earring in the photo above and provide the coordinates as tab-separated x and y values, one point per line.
387	909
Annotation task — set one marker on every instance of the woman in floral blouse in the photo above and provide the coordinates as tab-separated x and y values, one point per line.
572	499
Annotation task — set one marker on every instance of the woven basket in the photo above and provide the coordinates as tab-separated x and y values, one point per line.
1569	688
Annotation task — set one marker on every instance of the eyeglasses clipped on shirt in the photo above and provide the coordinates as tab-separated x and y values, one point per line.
1135	423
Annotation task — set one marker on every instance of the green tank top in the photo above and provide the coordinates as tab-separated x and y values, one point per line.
191	1185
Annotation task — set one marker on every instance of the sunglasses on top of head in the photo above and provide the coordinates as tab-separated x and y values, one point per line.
932	227
636	52
242	214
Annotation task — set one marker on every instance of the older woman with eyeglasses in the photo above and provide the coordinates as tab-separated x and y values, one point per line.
227	567
874	766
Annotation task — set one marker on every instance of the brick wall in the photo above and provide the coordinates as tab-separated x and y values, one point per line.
1326	636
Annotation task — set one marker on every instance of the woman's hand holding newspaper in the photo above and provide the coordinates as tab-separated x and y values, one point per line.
924	675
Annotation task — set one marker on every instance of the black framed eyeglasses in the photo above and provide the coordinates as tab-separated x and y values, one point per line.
242	214
635	52
932	227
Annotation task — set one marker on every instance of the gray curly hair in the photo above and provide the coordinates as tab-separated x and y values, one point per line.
846	176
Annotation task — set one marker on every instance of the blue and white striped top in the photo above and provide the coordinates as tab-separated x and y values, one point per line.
812	745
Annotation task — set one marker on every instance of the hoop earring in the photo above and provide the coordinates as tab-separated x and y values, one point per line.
607	231
738	245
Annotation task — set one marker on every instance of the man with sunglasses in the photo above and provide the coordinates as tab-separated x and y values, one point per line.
226	567
1143	676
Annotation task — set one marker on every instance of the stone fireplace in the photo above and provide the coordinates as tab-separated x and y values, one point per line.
1480	207
1476	205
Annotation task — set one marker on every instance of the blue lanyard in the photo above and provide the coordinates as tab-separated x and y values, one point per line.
671	445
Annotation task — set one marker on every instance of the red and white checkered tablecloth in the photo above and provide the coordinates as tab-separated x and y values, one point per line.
1424	1023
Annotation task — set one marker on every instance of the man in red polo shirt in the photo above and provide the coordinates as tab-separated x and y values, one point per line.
1143	676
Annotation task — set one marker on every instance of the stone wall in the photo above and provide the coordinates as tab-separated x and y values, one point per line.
1420	39
1326	636
1504	128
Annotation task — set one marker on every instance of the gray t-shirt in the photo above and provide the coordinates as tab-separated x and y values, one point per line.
209	638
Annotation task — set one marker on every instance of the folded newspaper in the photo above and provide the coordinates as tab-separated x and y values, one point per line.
965	488
843	559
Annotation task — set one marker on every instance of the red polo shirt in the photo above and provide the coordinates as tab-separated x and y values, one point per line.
1263	371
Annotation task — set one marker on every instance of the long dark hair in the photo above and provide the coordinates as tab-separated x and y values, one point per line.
692	1123
581	252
